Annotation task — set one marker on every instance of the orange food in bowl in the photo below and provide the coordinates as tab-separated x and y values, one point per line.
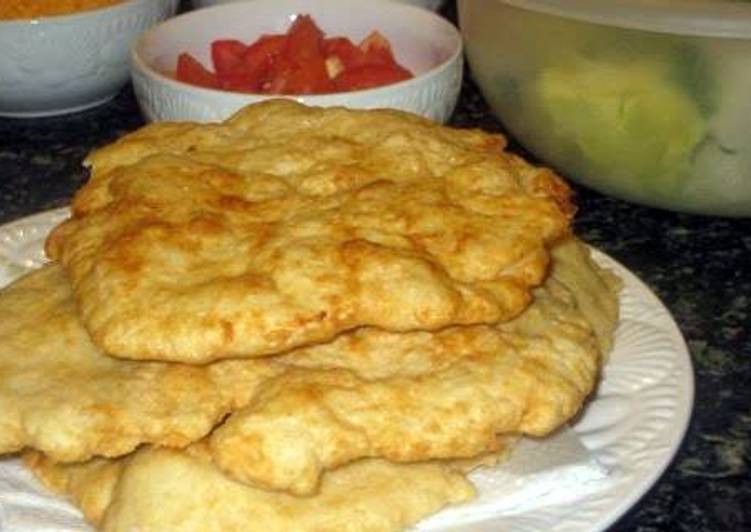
24	9
301	61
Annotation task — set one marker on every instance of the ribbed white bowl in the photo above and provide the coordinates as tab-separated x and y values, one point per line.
61	64
424	42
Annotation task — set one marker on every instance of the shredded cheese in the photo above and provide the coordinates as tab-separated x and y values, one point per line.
24	9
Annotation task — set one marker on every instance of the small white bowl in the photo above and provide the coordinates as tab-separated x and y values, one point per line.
62	64
424	42
428	4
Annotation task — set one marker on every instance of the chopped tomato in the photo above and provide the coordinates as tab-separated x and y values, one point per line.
304	54
262	53
279	72
310	77
249	71
227	55
288	76
377	49
239	80
190	70
369	76
302	61
304	40
345	50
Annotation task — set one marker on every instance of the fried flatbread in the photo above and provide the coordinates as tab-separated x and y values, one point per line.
287	225
593	290
60	394
529	376
159	489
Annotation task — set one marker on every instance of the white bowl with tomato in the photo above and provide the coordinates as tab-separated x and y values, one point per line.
205	65
62	63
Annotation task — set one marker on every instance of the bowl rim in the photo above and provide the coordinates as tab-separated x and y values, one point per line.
700	18
140	64
194	3
75	16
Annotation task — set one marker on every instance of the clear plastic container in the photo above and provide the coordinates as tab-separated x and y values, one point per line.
647	100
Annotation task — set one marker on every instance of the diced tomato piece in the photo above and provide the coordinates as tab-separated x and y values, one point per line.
239	80
190	70
265	48
261	54
227	54
311	77
344	49
301	67
244	68
377	49
288	76
276	79
304	39
370	76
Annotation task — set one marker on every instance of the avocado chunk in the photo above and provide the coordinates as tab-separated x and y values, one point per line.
629	118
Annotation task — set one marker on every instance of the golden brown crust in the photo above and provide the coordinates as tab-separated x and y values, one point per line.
418	288
288	225
90	485
159	489
422	396
63	396
60	394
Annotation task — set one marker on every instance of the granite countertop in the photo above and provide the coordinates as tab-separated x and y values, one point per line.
693	263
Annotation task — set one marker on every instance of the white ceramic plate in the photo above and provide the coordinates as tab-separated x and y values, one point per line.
633	426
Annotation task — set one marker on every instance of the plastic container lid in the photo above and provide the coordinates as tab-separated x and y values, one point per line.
709	18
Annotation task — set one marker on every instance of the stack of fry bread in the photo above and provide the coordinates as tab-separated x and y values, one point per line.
300	319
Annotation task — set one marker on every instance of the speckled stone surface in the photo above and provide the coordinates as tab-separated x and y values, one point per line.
698	266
